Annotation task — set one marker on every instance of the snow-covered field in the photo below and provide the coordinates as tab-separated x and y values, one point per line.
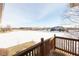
15	37
74	33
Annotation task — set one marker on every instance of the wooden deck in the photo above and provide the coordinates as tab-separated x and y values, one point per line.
57	46
59	53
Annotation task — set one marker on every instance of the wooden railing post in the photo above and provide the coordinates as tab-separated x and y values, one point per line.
54	42
42	47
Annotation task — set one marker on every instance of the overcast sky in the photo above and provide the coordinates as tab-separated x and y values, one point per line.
35	15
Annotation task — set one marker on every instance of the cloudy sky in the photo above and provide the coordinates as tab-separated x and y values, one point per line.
33	14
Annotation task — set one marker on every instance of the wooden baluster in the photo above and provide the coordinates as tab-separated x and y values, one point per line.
75	48
29	53
36	52
63	44
70	45
32	53
66	45
59	44
56	43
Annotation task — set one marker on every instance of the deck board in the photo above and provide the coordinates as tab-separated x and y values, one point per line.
59	53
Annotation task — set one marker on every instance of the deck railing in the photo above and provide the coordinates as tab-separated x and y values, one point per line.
68	45
43	48
40	49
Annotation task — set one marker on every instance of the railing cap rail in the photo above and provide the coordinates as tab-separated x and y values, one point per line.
31	47
67	38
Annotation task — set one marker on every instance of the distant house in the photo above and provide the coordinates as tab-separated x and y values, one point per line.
58	28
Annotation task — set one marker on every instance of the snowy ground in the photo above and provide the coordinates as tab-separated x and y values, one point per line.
18	36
